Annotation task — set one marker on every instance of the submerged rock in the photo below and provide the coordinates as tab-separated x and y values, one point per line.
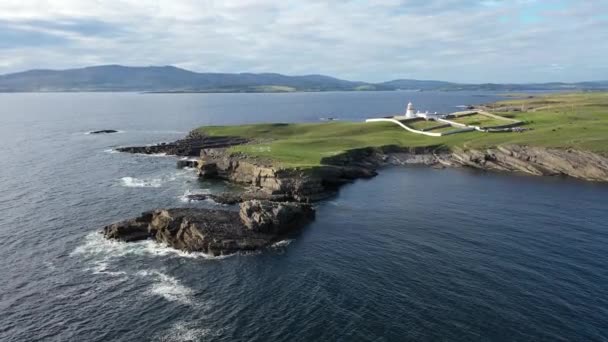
257	225
104	131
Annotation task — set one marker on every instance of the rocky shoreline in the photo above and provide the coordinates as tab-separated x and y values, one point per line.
191	145
267	181
275	199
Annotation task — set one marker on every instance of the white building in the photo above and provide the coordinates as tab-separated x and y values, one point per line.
409	113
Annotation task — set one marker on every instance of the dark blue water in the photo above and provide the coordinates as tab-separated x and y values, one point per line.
413	254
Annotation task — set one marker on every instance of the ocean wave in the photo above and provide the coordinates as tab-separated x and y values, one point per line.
186	332
168	287
158	181
157	155
282	243
186	199
97	247
132	182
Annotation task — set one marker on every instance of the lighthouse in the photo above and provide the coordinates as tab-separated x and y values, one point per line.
409	113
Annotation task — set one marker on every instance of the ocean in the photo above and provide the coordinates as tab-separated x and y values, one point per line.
415	253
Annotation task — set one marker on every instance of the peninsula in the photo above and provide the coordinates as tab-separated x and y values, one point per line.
558	134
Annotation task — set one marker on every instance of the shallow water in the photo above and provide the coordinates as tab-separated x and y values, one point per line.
413	254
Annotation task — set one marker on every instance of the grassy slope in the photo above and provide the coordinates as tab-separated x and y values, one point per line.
566	120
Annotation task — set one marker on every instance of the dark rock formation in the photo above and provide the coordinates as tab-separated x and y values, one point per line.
183	163
130	230
267	217
191	145
217	232
104	131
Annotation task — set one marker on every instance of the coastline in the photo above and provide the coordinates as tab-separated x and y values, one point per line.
285	167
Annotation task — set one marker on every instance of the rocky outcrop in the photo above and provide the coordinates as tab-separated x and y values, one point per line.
538	161
191	145
130	230
217	232
267	217
185	163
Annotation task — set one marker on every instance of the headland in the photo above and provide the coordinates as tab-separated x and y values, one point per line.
557	135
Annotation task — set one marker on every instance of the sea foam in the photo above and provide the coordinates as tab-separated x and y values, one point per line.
97	247
186	332
168	287
132	182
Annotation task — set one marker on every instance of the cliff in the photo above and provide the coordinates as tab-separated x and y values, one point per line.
305	185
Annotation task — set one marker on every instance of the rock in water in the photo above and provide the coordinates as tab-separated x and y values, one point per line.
256	225
130	230
104	131
273	217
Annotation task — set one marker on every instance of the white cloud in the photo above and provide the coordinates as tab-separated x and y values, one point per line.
462	40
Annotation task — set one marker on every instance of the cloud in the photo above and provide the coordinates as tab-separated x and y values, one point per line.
459	40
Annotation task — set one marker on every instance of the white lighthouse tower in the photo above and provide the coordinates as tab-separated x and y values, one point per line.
409	113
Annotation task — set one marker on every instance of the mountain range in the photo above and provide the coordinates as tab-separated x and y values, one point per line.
173	79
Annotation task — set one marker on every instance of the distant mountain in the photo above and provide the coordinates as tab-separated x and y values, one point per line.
418	84
172	79
167	78
449	86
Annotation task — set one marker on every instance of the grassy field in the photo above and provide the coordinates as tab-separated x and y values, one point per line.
423	124
578	120
479	120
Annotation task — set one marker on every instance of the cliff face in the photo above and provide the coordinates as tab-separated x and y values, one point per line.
270	182
534	160
275	183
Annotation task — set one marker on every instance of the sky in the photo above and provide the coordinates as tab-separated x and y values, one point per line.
469	41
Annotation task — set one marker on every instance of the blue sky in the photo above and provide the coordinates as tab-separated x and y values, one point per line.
454	40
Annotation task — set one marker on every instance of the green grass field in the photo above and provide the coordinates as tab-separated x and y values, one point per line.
578	120
423	124
480	120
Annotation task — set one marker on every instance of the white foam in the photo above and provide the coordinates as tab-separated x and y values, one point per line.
132	182
104	250
168	287
111	150
162	154
186	332
188	192
282	243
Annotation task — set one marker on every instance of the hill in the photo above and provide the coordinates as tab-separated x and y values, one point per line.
164	79
172	79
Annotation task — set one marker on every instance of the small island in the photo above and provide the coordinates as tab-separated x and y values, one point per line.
286	166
